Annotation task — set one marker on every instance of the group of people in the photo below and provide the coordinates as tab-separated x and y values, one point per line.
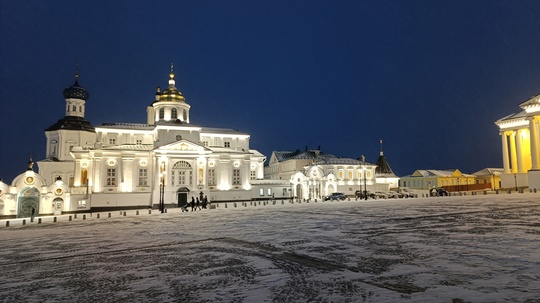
197	203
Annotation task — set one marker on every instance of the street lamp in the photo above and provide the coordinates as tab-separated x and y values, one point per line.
365	180
162	192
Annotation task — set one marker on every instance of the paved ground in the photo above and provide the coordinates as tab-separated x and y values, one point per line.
451	249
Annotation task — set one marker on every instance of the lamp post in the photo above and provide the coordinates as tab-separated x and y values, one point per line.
365	180
515	181
162	193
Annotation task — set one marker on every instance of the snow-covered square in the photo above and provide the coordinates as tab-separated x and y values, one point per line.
483	248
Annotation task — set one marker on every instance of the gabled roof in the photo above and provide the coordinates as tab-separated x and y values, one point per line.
438	173
489	172
221	131
341	161
297	155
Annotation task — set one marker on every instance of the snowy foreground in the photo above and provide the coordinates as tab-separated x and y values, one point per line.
448	249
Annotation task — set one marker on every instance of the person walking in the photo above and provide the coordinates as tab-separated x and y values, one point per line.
204	202
192	204
33	214
198	204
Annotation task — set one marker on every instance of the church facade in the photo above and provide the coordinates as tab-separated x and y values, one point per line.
314	174
128	165
520	144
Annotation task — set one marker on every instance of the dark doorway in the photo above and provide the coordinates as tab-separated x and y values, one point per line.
182	196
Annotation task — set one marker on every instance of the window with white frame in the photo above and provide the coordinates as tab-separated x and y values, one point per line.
111	177
236	177
138	141
112	141
261	192
253	175
143	177
227	144
212	177
181	173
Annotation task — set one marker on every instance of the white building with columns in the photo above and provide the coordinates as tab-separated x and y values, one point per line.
520	144
125	165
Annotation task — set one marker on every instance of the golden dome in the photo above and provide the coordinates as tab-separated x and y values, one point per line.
172	93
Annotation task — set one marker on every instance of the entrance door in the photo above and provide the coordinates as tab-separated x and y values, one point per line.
57	205
28	200
299	192
182	196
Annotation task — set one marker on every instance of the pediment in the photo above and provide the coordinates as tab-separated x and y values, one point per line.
183	145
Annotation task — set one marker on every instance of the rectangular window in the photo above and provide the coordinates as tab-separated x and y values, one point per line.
227	144
261	192
205	143
269	191
253	175
81	204
212	177
111	177
236	177
181	177
139	142
112	141
143	177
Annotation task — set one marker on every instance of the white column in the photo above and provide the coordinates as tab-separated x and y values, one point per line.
513	157
97	177
506	161
519	152
534	144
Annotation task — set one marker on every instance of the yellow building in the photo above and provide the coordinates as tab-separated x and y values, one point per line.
521	146
451	180
491	176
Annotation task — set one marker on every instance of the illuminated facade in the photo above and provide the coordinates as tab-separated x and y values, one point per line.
313	174
124	165
520	143
450	179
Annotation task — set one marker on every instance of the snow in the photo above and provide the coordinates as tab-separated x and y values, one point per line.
448	249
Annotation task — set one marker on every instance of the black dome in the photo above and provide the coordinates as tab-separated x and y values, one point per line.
76	91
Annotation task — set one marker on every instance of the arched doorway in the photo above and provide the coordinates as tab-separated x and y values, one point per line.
299	191
28	200
57	205
182	196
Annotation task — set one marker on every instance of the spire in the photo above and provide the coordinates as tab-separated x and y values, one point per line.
171	76
383	168
30	163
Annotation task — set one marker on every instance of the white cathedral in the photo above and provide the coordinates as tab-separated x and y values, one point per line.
129	165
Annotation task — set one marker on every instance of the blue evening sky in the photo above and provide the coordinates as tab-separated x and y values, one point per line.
428	77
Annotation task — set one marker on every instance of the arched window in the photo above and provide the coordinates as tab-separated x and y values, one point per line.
174	114
181	174
162	113
185	115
